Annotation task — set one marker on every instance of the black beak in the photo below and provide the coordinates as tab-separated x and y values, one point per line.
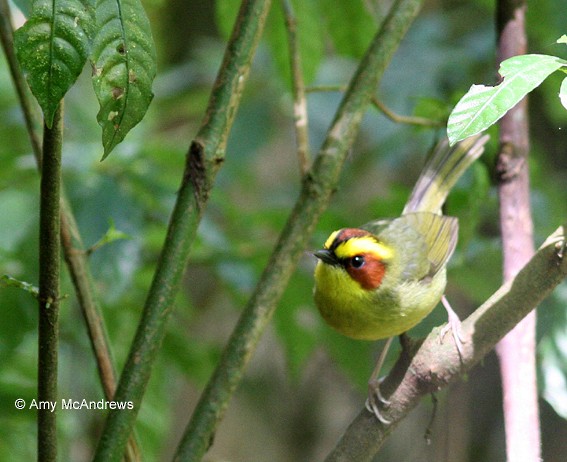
326	256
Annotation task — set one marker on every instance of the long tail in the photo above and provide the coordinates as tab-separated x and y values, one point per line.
441	171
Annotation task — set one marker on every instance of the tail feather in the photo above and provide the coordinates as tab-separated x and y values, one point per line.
442	170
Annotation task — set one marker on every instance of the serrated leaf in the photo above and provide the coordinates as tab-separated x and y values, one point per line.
52	48
563	93
124	67
483	105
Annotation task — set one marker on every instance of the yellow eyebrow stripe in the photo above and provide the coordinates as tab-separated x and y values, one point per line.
363	245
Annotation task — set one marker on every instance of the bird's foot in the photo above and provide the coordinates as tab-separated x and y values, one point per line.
375	400
454	325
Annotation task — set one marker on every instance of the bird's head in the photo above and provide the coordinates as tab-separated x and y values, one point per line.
358	253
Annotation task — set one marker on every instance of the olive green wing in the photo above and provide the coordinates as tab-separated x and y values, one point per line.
427	240
440	233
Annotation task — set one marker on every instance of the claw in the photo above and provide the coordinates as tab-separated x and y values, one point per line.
454	325
372	407
374	398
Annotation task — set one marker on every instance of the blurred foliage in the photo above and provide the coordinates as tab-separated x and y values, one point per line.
305	382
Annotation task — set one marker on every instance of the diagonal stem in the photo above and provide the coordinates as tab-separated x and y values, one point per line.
317	188
204	159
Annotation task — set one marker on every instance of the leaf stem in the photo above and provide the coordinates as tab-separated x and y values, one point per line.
49	274
317	188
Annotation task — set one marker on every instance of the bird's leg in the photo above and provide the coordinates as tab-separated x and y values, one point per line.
374	395
454	324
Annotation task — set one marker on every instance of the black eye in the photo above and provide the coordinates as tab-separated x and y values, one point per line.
357	261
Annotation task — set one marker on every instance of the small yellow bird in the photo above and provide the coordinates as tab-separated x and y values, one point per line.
381	279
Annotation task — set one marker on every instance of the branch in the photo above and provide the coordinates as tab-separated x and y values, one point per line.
49	274
317	188
203	161
433	364
298	87
517	351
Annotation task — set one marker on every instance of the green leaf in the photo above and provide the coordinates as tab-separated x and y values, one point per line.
562	39
351	25
563	93
52	47
124	67
483	105
112	234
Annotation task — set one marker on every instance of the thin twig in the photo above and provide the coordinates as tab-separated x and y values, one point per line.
326	88
315	195
402	119
49	274
393	116
299	99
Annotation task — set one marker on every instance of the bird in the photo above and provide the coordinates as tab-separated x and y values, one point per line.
381	279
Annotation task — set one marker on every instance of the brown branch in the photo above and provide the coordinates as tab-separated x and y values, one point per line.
517	351
431	365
